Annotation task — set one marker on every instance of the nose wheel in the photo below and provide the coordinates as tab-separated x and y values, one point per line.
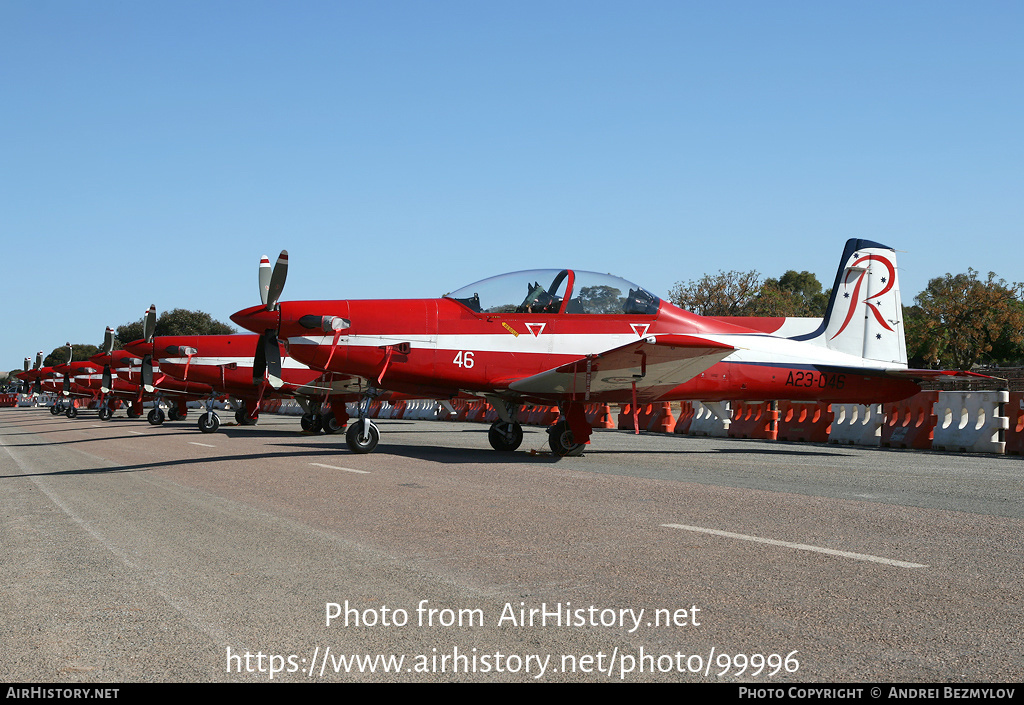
209	422
362	436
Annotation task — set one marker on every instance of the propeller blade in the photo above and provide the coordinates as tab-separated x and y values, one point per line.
67	383
39	359
27	362
149	327
265	273
277	281
108	379
272	353
259	363
108	341
147	373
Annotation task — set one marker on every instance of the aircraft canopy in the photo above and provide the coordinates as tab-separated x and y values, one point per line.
556	291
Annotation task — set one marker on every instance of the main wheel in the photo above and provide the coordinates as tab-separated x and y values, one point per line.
330	424
311	422
54	409
561	441
105	413
505	436
356	443
172	414
155	416
209	422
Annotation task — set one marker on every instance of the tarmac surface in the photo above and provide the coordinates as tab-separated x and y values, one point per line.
133	552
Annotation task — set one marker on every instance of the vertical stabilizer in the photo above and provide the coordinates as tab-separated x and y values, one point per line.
865	313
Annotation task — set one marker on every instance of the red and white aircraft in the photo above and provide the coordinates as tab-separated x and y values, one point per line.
30	383
235	365
569	337
127	386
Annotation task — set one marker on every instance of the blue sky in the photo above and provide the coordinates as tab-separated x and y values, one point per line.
150	152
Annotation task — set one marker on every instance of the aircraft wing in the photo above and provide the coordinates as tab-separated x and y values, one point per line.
331	383
656	364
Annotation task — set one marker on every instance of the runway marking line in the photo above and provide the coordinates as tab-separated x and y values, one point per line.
335	467
800	546
204	445
137	433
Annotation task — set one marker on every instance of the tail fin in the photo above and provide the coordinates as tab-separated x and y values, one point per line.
865	313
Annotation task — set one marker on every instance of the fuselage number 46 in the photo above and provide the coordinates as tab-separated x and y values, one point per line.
464	359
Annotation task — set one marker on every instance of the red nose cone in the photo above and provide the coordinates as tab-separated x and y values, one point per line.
257	319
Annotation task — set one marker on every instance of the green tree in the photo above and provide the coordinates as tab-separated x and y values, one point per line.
601	299
722	294
744	294
959	321
80	351
178	321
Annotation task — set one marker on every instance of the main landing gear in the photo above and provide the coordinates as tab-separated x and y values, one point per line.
242	417
316	419
505	435
569	436
562	442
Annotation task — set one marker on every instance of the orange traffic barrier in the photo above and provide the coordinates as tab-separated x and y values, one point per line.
599	416
1015	433
270	406
685	418
476	410
625	421
8	399
805	422
910	423
658	417
754	421
542	416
